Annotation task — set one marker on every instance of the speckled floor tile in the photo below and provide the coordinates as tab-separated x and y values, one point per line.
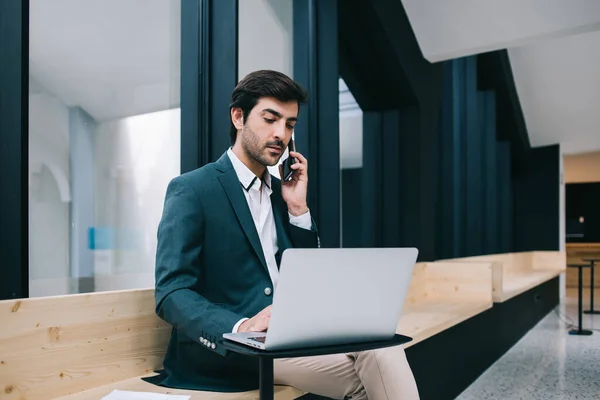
547	363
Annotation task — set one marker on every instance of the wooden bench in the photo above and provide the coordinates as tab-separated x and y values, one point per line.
86	345
442	295
516	273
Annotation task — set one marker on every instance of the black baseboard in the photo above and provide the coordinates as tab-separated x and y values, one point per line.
447	363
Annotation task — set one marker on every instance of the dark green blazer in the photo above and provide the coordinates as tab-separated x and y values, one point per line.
211	272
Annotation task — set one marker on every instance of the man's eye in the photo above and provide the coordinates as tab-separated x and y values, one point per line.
290	126
270	121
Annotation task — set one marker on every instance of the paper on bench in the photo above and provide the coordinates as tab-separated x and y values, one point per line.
127	395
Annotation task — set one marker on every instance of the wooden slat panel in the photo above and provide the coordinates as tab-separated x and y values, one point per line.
442	295
55	346
515	273
459	281
550	260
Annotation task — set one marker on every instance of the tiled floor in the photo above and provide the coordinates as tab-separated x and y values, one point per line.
547	363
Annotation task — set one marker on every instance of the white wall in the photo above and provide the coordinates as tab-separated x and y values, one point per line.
581	168
48	207
135	158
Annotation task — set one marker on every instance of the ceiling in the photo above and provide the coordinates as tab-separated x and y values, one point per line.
558	82
554	50
113	58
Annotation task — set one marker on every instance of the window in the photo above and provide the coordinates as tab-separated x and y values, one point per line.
104	140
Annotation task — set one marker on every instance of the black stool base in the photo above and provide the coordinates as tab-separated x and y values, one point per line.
592	312
582	332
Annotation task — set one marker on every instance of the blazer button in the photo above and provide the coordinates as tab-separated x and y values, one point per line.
268	291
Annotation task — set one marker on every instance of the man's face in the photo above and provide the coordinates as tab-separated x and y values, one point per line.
268	130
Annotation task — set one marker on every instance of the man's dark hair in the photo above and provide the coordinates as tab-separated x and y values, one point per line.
259	84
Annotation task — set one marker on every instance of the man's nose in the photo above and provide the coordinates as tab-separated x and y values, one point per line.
279	132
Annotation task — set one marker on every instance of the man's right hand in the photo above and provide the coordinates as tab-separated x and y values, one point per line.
258	323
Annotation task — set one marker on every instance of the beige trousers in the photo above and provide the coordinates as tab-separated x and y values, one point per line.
382	374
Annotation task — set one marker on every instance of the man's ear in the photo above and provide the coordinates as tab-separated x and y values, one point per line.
237	117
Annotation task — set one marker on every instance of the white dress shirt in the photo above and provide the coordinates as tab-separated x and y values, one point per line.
259	202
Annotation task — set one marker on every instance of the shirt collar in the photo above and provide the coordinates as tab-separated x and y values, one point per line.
247	177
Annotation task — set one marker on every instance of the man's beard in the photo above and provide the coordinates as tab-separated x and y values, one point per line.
255	150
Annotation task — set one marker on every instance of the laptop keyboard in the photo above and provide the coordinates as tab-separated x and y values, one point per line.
259	339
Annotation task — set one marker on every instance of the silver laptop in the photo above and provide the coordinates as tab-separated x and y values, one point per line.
335	296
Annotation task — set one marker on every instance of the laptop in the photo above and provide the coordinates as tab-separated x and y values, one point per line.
330	297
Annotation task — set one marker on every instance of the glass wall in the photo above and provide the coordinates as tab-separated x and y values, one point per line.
266	40
104	140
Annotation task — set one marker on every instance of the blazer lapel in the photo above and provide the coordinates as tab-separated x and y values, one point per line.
231	184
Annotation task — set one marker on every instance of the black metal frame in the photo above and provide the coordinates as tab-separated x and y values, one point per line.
192	22
317	131
208	77
14	141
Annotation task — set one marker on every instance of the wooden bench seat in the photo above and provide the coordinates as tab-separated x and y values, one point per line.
516	273
86	345
442	295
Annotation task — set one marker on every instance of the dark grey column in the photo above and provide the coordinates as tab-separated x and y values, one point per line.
487	111
505	216
536	200
14	139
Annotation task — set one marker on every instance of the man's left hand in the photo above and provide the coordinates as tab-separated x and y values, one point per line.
294	191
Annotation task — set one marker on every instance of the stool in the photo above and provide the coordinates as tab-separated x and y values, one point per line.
580	331
591	310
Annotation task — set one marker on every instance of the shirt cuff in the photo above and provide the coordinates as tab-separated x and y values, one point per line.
237	326
303	221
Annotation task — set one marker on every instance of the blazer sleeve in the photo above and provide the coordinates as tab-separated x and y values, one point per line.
304	238
178	270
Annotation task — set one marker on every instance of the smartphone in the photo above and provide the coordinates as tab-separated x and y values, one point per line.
288	162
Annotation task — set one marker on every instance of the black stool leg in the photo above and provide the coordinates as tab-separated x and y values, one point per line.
266	378
591	310
580	331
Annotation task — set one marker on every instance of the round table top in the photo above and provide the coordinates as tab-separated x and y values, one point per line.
591	259
580	265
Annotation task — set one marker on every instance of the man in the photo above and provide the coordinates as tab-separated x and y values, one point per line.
220	240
